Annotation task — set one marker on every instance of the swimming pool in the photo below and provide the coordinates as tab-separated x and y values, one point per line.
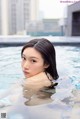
68	64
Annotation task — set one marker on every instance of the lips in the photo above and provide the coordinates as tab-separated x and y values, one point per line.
25	72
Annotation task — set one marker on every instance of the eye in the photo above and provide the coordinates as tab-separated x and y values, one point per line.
23	58
33	61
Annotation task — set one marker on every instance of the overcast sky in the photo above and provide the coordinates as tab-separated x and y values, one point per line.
53	8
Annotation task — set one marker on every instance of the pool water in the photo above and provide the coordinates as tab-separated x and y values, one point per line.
62	107
68	64
10	67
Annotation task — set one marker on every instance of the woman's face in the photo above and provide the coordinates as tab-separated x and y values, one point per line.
32	62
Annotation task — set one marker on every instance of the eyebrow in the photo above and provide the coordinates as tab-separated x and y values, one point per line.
30	57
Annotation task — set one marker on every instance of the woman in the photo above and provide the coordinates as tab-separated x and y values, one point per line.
46	50
39	67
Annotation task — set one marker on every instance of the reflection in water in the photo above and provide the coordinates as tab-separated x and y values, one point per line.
30	104
37	97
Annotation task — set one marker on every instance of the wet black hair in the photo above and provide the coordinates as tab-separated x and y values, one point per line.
47	50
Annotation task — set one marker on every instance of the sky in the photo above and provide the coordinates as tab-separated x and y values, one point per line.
53	8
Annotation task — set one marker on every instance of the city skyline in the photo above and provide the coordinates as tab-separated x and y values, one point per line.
16	15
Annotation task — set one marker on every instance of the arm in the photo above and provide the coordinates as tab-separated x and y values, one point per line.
37	82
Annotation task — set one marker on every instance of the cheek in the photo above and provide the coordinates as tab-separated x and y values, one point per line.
38	66
22	64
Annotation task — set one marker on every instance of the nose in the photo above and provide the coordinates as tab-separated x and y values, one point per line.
26	65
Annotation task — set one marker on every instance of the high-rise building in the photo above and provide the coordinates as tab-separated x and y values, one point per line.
12	16
0	17
4	17
27	11
16	14
73	20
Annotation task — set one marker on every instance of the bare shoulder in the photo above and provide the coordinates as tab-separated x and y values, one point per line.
39	80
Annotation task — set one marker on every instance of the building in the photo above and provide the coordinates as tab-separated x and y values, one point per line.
27	11
16	14
4	17
73	20
0	17
45	27
51	25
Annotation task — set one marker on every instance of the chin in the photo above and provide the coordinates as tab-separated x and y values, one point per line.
27	76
